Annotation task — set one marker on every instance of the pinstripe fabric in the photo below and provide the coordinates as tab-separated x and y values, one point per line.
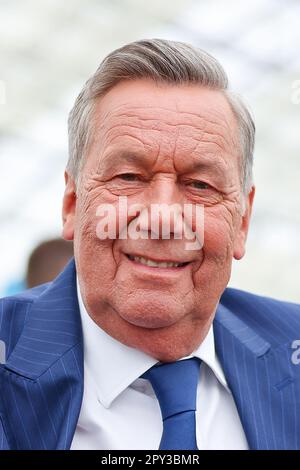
42	380
3	441
253	341
41	384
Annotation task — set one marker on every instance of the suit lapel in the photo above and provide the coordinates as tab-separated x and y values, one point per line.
42	381
263	381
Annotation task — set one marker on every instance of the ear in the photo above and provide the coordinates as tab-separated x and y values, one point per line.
69	207
240	241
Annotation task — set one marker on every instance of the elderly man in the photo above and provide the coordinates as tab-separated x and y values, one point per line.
138	344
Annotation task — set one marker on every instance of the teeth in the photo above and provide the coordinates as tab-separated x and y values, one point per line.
154	264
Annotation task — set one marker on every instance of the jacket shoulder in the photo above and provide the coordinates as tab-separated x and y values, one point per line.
249	298
277	320
13	312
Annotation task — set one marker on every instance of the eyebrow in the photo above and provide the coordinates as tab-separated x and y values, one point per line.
213	165
113	158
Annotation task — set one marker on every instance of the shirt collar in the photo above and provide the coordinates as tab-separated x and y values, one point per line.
114	366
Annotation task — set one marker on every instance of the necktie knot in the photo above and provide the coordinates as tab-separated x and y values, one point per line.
175	386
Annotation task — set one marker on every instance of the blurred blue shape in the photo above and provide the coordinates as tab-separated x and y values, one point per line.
14	287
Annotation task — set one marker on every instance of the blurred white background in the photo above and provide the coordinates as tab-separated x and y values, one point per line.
48	48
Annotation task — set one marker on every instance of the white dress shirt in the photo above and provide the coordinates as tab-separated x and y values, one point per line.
120	410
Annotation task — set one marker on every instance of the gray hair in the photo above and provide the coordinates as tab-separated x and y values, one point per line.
162	61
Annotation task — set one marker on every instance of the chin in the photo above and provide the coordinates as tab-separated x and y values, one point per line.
147	319
165	344
155	314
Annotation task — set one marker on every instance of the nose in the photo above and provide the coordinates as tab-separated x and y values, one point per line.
162	215
164	190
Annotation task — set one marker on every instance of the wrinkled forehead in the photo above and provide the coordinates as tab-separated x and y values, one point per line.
145	115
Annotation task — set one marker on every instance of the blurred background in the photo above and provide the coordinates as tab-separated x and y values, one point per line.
48	48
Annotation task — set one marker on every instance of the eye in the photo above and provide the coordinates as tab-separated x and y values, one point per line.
129	177
200	185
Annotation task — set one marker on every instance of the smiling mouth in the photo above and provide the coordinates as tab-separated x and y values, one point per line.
155	264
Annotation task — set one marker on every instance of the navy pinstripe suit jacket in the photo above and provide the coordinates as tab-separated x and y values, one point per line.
41	383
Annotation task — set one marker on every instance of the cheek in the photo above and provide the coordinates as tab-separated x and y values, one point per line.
213	275
218	237
92	251
104	215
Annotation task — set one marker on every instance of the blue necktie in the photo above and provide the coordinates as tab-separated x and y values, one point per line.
175	386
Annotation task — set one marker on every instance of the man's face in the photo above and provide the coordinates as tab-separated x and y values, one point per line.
158	144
